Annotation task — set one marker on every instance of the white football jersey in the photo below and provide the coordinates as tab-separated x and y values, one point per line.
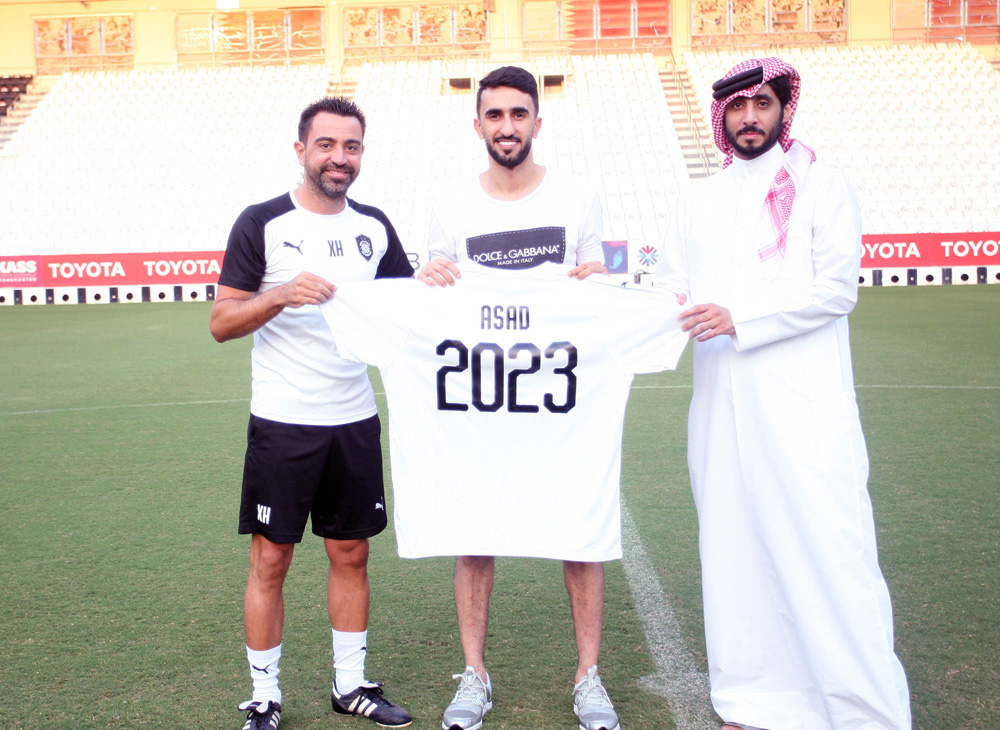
506	397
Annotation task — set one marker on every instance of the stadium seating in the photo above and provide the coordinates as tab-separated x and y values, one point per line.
164	160
11	90
915	128
609	123
150	160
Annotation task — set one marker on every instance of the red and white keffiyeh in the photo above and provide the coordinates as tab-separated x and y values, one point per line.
798	156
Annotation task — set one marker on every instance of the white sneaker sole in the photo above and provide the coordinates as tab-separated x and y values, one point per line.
456	726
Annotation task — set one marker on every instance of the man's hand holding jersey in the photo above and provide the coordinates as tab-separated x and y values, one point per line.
439	272
305	289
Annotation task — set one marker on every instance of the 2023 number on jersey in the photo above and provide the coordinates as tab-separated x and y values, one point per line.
486	351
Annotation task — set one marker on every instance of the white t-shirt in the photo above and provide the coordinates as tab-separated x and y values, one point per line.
559	221
507	397
297	376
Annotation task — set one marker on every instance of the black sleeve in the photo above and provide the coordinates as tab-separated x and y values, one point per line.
394	264
243	265
246	261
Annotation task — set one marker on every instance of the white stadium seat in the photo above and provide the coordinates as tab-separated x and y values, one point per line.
917	138
144	161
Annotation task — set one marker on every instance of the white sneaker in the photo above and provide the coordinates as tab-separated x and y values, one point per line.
592	705
473	699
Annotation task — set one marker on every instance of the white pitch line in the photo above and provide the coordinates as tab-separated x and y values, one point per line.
893	387
661	387
932	387
678	677
380	393
130	405
121	406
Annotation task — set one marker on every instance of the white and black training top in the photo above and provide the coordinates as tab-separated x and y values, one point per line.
297	374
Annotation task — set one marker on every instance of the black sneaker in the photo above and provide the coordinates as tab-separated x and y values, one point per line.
261	715
368	701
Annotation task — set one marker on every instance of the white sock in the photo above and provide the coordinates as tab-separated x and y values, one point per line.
264	672
349	652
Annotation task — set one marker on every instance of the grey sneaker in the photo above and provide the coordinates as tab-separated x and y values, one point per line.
473	699
592	705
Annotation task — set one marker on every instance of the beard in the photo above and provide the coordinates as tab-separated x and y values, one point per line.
748	152
329	188
509	161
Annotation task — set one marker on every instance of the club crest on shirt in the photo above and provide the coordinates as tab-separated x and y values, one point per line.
365	246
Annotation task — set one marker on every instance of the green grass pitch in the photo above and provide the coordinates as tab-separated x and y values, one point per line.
121	574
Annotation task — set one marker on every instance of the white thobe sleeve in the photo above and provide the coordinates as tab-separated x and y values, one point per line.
672	269
833	290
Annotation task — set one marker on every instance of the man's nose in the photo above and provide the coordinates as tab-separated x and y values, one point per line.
337	155
749	115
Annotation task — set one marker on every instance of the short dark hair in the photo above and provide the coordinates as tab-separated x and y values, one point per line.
339	105
512	76
782	87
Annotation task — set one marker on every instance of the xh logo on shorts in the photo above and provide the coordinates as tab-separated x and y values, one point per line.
263	514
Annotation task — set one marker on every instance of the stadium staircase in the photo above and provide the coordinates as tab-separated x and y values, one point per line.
27	103
342	84
699	152
170	158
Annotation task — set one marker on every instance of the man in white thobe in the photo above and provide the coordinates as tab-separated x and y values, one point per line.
767	252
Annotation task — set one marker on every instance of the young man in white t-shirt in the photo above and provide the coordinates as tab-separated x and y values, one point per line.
518	215
313	443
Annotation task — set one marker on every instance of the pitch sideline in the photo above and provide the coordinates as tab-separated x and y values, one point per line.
380	393
678	677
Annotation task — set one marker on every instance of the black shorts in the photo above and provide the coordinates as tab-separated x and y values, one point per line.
333	473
